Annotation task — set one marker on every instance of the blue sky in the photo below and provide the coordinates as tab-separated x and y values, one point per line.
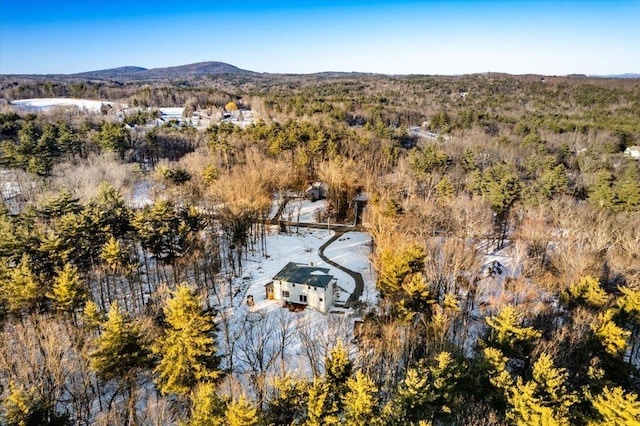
393	37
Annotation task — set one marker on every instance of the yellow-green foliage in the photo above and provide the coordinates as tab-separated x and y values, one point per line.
241	412
544	400
321	409
338	365
396	264
629	303
206	407
427	392
612	337
589	290
67	293
20	291
187	349
120	349
498	374
506	329
616	408
360	401
18	406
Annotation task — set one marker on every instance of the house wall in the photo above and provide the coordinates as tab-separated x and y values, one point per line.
313	294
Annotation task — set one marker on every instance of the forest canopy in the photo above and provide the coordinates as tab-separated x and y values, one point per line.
118	308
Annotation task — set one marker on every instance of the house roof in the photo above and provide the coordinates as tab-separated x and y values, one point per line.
303	274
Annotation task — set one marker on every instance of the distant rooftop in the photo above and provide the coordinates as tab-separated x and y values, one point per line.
304	274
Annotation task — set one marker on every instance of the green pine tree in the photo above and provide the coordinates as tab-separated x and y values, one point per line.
360	401
322	407
627	189
120	351
338	366
612	337
588	289
120	354
289	401
507	333
206	408
187	349
20	289
615	407
67	292
241	412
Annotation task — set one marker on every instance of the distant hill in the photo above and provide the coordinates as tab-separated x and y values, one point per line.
111	73
199	69
627	75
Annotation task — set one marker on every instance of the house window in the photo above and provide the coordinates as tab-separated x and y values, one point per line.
321	299
303	298
293	284
285	293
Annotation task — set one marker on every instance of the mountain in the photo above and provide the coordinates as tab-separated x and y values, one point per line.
111	73
194	70
199	69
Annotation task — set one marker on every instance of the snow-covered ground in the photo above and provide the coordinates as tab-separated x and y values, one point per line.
309	334
351	250
46	104
308	210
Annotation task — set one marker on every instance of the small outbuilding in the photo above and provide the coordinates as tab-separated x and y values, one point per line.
301	284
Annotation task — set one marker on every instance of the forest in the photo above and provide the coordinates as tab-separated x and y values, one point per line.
115	311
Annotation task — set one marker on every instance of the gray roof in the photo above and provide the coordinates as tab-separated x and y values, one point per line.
303	274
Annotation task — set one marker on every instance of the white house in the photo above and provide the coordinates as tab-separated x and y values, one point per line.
633	151
305	285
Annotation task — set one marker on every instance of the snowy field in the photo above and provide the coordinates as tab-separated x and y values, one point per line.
46	104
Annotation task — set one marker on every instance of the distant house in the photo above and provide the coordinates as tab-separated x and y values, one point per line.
305	285
633	152
317	191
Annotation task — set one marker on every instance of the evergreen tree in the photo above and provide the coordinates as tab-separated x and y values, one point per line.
322	407
20	289
601	192
113	255
67	292
627	189
588	289
396	264
543	400
241	412
120	354
338	366
444	190
92	316
288	405
553	181
187	349
206	408
119	350
615	407
360	402
113	137
428	392
22	407
508	334
612	337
